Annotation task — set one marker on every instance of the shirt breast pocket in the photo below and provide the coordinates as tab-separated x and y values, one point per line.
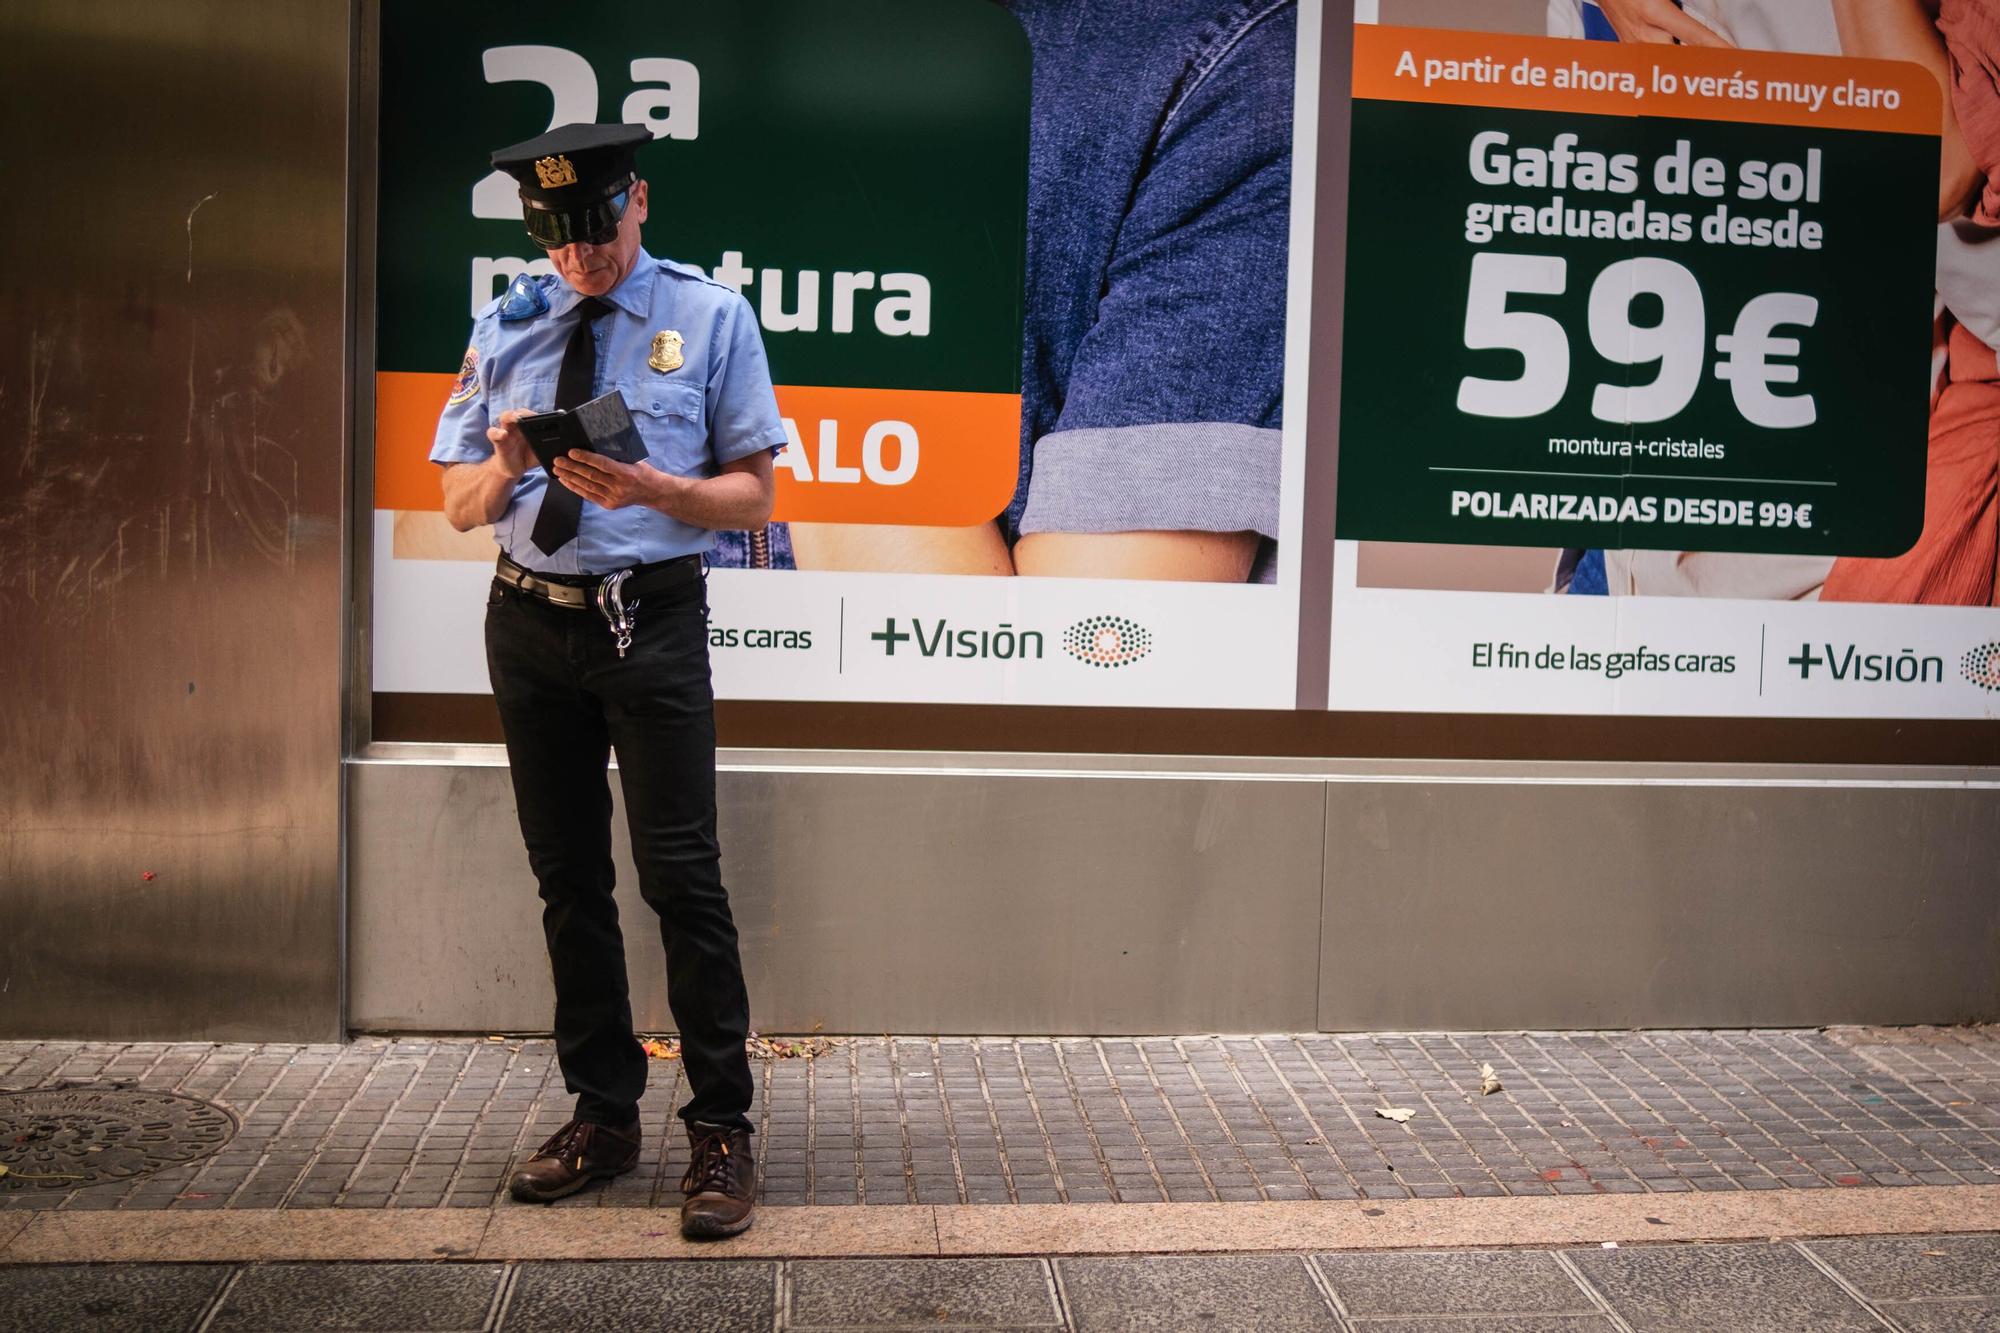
522	392
669	418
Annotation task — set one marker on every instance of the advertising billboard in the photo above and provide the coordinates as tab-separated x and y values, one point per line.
1022	278
1669	384
1665	381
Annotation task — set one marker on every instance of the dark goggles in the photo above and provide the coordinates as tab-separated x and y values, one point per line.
595	223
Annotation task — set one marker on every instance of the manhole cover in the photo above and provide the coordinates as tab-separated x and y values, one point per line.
64	1139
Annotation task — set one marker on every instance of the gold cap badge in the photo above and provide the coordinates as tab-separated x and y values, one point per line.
666	351
554	171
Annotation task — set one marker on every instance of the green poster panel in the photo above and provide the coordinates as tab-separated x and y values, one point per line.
859	171
1566	329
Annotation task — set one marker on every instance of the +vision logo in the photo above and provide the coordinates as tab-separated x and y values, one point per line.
1982	667
889	636
1107	641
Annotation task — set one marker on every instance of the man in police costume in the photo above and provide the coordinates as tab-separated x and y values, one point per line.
597	640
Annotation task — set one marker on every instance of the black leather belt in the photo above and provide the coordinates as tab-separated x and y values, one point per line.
578	592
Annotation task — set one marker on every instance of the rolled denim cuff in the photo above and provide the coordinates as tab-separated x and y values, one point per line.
1178	476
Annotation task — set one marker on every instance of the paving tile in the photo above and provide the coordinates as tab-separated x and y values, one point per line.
1224	1294
139	1297
1743	1288
1546	1323
1917	1267
1973	1316
930	1293
669	1296
275	1298
1467	1282
382	1124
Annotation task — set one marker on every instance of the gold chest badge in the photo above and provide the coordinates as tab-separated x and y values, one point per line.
555	171
666	351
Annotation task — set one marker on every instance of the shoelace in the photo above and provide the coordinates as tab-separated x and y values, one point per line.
572	1140
711	1169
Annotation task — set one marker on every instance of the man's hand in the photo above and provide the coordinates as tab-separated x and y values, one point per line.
511	453
608	483
1659	21
478	493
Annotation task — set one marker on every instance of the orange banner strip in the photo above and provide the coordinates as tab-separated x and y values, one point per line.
919	456
914	456
1447	67
407	405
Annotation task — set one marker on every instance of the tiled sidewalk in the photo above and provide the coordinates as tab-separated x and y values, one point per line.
422	1123
1919	1285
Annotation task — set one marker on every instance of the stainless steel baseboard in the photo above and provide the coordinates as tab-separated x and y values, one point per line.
1023	893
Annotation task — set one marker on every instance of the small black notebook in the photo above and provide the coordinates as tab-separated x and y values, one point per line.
602	426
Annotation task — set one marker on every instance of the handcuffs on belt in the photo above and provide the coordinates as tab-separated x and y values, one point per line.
612	606
607	593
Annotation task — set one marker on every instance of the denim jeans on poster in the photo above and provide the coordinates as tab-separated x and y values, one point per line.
1159	200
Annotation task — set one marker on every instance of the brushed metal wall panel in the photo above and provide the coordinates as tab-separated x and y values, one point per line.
172	375
1499	906
993	903
877	902
444	928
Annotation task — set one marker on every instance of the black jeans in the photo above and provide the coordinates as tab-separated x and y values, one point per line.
566	699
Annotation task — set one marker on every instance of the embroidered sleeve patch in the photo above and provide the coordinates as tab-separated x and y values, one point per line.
466	387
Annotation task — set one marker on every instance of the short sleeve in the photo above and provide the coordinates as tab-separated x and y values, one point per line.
461	428
1171	416
742	407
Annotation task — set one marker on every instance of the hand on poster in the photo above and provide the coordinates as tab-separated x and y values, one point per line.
1658	21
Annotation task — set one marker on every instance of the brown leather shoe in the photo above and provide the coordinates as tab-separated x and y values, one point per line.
575	1155
720	1184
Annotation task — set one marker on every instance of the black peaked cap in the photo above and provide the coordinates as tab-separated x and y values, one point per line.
573	164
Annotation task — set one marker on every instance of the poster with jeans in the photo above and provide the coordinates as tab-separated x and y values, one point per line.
1023	275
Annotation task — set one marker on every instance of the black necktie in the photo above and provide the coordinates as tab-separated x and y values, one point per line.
555	525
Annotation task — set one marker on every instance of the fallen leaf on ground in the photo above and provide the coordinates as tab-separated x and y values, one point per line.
657	1049
1489	1081
1400	1114
789	1048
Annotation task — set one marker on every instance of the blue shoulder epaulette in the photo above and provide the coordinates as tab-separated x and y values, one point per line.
524	298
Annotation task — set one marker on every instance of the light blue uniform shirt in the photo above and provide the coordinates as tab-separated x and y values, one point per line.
715	408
